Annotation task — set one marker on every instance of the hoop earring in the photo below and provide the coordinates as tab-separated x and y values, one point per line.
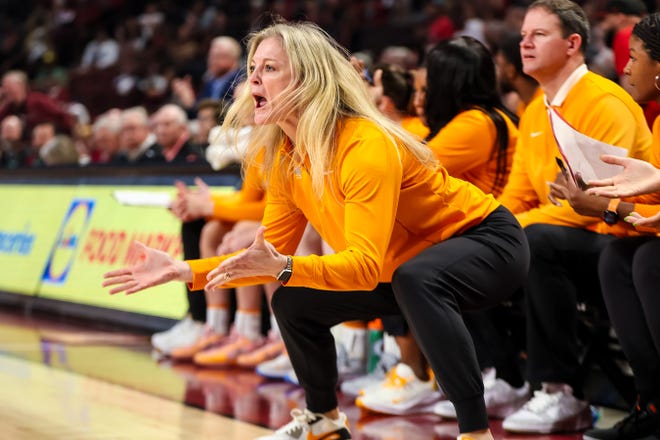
655	83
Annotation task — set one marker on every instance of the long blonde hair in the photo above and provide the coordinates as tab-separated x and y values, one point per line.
325	89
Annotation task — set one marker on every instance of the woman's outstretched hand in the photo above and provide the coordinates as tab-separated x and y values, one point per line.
153	267
638	177
259	259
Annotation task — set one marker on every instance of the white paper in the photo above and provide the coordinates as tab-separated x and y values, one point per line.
143	198
581	153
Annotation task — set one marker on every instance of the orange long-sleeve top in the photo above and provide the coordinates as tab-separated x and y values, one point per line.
467	147
415	125
380	207
594	106
246	204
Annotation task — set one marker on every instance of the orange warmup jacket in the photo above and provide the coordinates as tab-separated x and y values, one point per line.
246	204
380	207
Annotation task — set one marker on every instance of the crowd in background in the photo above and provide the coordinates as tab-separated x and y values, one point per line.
83	64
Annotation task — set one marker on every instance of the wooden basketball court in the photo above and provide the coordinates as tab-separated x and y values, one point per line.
64	380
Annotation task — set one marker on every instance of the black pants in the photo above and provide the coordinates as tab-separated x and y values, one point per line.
629	271
498	335
563	271
478	269
191	232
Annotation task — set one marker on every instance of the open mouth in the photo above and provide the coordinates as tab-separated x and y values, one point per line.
260	101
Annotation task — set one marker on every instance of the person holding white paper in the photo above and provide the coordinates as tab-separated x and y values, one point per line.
628	267
564	245
637	178
582	153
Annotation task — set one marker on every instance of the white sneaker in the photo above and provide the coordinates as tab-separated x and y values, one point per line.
277	368
306	425
359	385
550	412
501	398
351	348
281	368
182	334
349	364
401	392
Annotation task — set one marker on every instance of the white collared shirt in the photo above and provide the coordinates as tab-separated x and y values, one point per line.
566	87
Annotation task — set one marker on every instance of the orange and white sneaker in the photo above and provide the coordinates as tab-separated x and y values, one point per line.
270	350
308	425
227	354
400	393
207	339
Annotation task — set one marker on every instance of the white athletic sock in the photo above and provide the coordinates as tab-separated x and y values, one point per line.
217	318
248	323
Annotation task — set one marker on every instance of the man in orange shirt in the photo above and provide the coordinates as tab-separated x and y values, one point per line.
564	245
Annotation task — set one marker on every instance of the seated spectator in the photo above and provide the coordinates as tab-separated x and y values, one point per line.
401	56
150	20
137	143
220	79
13	150
32	107
126	82
100	53
441	27
52	149
105	138
620	17
210	113
171	129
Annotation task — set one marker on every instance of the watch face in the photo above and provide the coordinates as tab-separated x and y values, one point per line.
610	217
284	275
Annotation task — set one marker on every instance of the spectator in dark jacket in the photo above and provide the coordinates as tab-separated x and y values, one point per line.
171	129
137	143
13	149
32	107
223	72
